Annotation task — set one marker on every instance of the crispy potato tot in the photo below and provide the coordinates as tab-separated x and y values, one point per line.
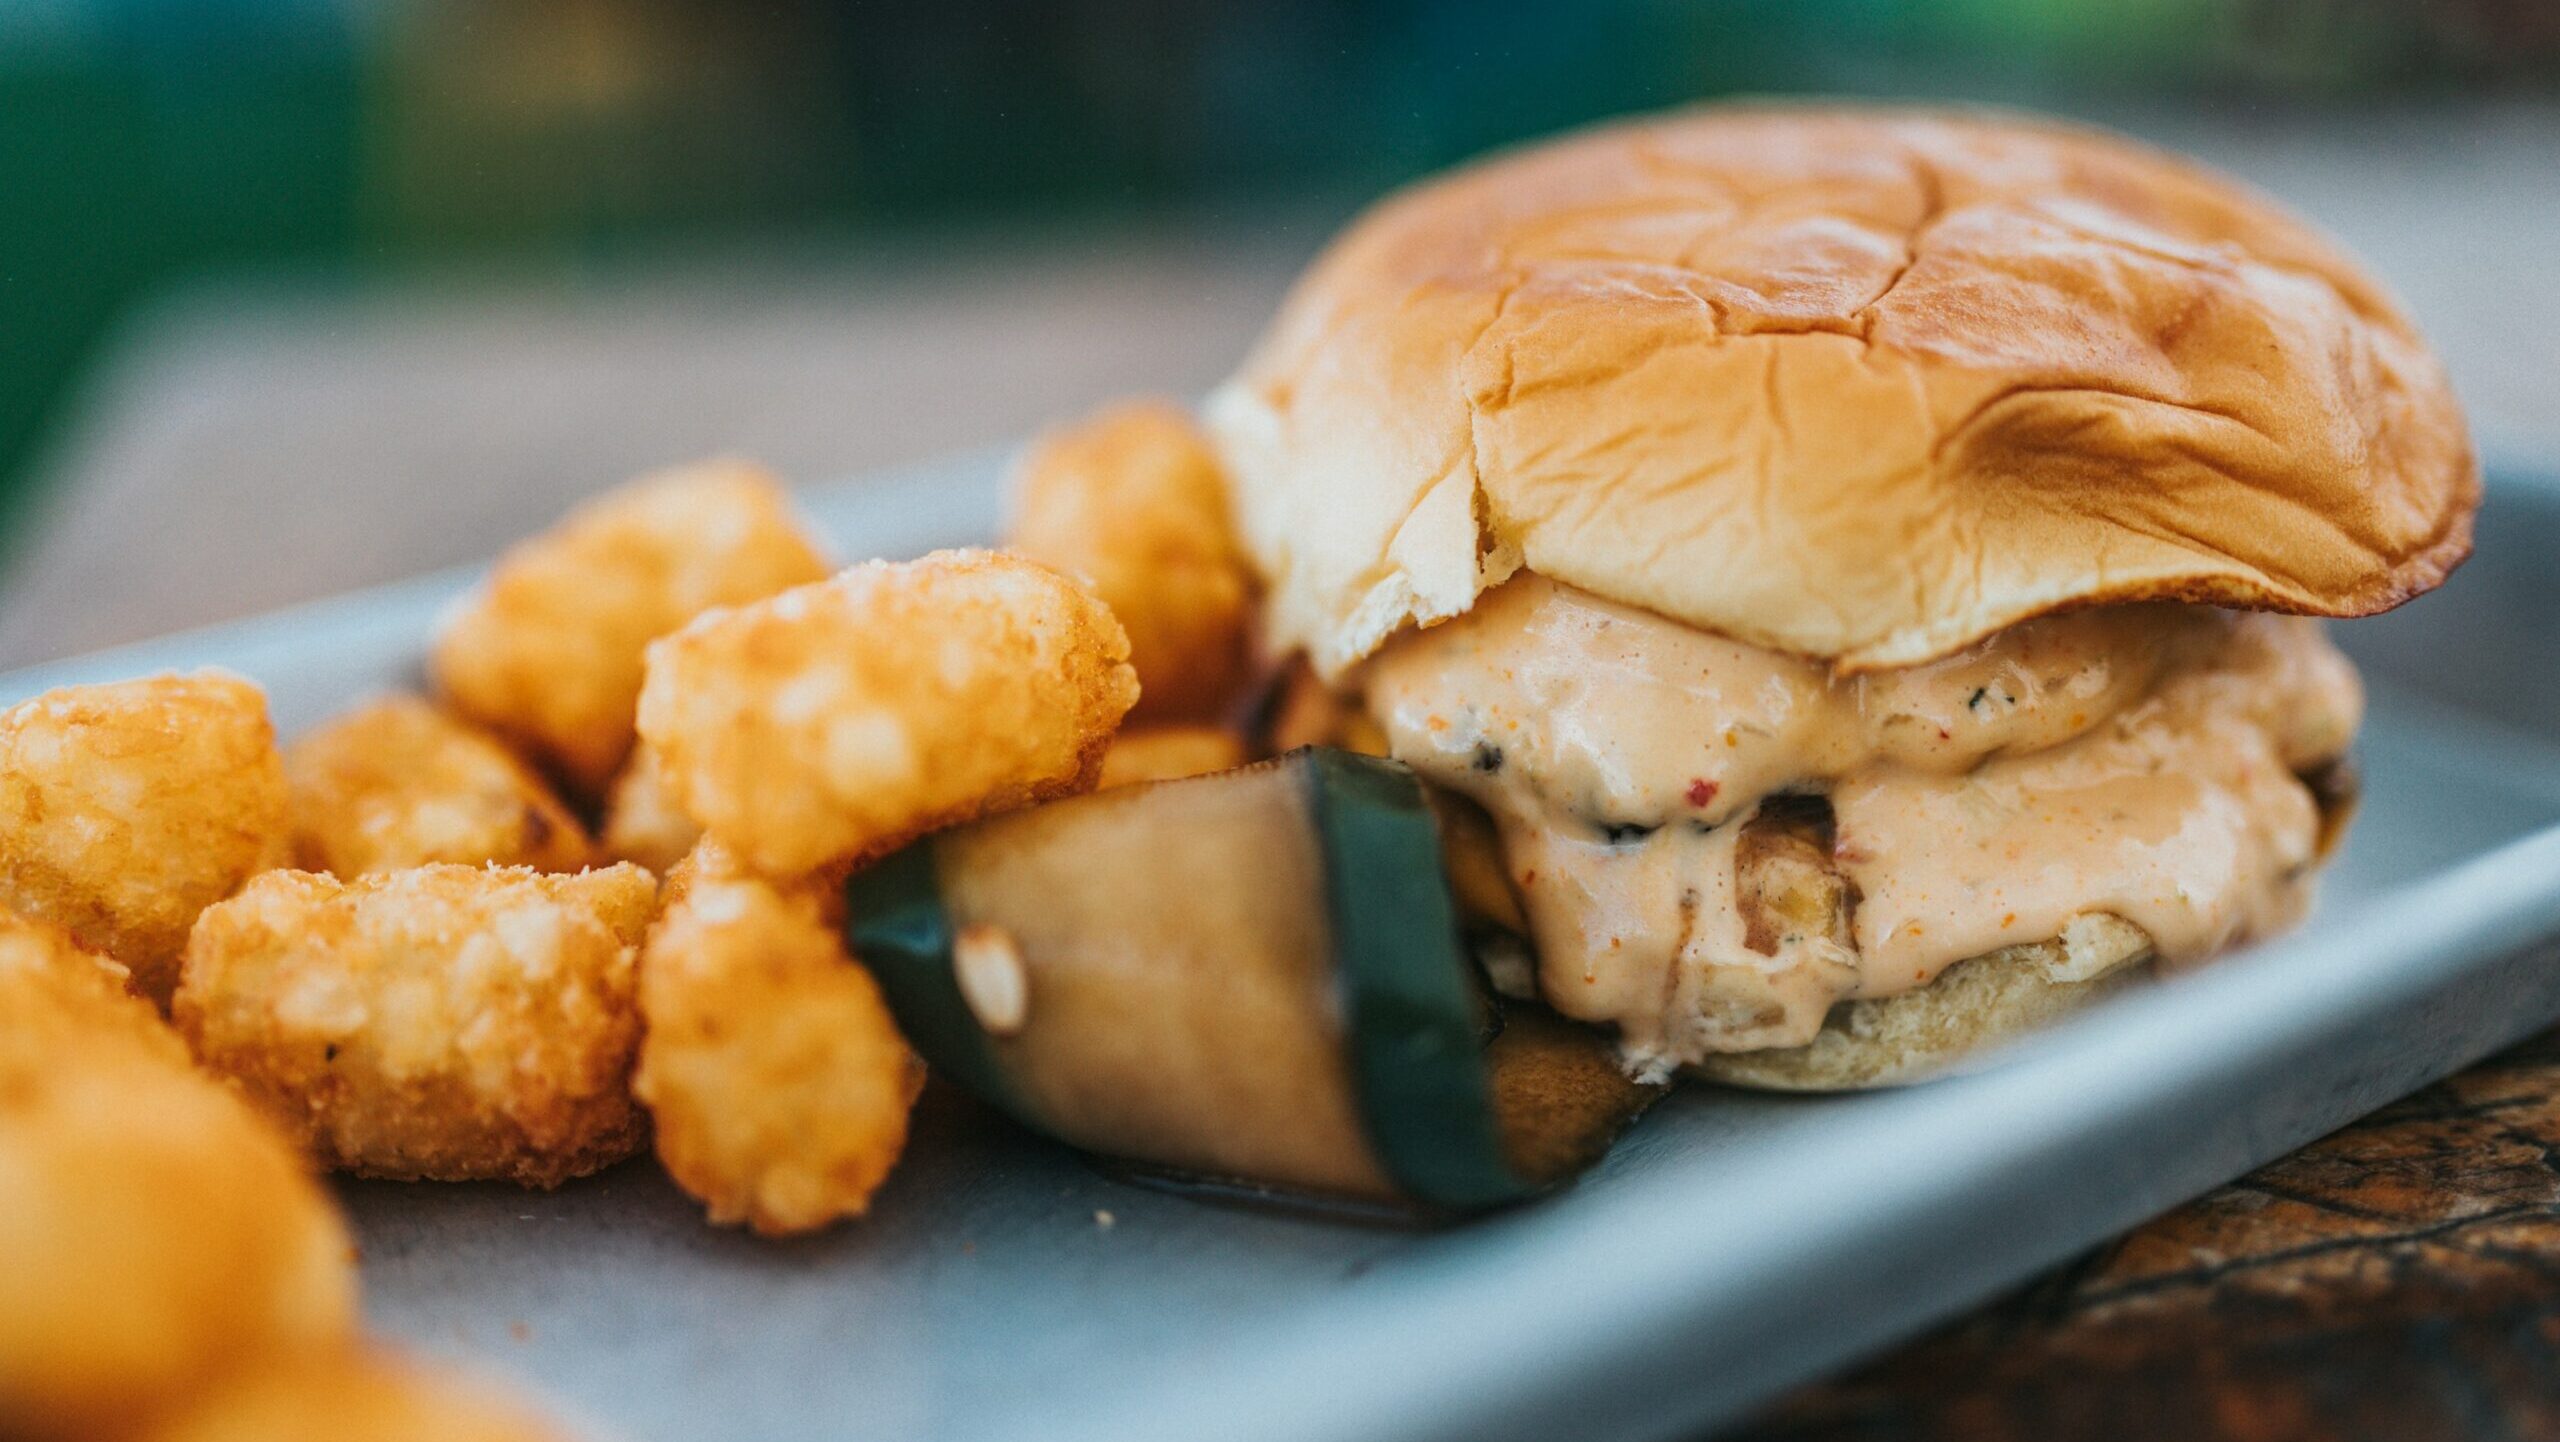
154	1231
344	1394
52	985
397	783
546	652
1165	753
126	809
450	1023
1132	499
643	824
777	1081
837	721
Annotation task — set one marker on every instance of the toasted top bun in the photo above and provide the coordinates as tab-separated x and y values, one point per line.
1864	385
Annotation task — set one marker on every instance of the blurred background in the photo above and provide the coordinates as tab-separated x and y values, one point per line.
299	295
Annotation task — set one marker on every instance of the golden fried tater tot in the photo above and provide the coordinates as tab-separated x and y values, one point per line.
125	809
154	1232
643	824
397	783
837	721
546	652
50	984
1164	753
1132	499
777	1081
450	1023
343	1394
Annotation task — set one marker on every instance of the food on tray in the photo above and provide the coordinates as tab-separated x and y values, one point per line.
446	1022
642	822
1131	501
776	1082
125	809
1162	753
547	651
397	783
325	1395
173	1268
1802	530
153	1230
839	720
1254	975
1793	596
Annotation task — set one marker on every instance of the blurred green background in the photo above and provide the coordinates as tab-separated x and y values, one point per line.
147	143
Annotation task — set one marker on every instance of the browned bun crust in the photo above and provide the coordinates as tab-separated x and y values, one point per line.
1861	384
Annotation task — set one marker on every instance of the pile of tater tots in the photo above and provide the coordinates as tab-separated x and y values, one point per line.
579	897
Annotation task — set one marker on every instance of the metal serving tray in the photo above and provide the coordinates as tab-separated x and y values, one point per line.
1734	1244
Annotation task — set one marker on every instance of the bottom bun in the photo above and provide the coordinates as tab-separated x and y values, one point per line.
1974	1005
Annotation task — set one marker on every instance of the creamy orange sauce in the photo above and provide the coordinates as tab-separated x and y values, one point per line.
2134	760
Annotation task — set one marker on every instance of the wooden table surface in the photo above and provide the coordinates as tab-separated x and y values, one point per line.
261	445
2394	1281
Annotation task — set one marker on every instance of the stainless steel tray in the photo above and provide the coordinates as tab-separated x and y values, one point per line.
1733	1245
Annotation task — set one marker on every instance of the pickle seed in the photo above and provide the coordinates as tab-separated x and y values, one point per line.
988	964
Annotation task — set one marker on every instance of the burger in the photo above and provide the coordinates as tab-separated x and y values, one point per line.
1865	565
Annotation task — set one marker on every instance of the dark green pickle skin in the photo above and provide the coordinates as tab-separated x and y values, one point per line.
1411	1009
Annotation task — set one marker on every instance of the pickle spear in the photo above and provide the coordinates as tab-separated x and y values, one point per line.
1253	976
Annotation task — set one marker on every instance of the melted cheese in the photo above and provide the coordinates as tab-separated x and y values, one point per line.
2136	760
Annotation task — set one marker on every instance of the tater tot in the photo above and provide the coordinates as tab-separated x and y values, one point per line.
50	983
836	721
1165	753
777	1081
344	1394
451	1023
546	652
125	809
1133	500
643	823
154	1231
397	783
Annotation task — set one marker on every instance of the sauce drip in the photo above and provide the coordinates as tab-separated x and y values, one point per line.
2134	760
